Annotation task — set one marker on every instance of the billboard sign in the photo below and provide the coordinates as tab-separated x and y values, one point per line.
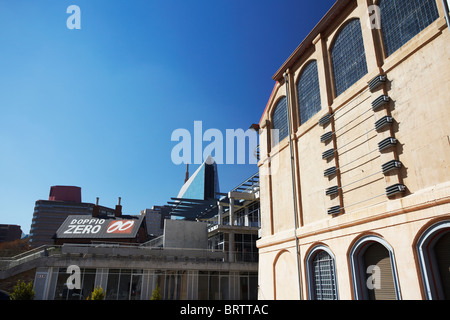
90	227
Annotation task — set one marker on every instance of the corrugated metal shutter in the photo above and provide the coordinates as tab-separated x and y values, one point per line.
378	255
442	252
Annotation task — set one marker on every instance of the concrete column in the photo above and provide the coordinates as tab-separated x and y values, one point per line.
192	285
231	211
323	67
373	57
231	247
101	277
41	283
234	285
246	222
220	213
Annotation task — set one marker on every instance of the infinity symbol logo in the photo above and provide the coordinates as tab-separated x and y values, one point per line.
121	226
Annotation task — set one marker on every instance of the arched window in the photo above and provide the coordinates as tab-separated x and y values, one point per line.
401	20
308	92
284	271
373	270
434	258
280	121
348	57
321	274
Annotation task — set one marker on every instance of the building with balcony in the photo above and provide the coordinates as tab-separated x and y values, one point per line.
207	253
354	158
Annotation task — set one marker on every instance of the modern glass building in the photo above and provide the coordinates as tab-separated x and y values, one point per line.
203	184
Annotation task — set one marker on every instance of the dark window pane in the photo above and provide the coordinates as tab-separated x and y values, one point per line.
308	92
401	20
348	57
280	120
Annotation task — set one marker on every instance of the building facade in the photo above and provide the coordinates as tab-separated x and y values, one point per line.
180	265
355	179
49	214
155	220
235	228
207	253
10	232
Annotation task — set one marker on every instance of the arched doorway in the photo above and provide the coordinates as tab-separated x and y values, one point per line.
433	248
373	270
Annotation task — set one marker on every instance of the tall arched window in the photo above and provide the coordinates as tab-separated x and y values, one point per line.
308	92
434	257
348	57
321	274
373	270
280	121
401	20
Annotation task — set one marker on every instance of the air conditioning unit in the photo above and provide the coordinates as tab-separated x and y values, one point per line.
329	172
334	210
386	143
332	190
380	101
391	165
376	82
324	120
385	121
328	154
394	189
326	137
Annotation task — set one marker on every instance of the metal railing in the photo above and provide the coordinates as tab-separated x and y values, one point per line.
42	251
249	185
119	251
154	243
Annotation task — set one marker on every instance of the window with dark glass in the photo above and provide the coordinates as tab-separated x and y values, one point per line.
324	279
245	247
308	92
348	57
401	20
254	215
280	121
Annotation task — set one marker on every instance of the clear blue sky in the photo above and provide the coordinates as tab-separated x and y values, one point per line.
96	107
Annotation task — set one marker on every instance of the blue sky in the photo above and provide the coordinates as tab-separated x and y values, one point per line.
96	107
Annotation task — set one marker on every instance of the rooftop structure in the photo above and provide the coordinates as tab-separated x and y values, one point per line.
65	193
